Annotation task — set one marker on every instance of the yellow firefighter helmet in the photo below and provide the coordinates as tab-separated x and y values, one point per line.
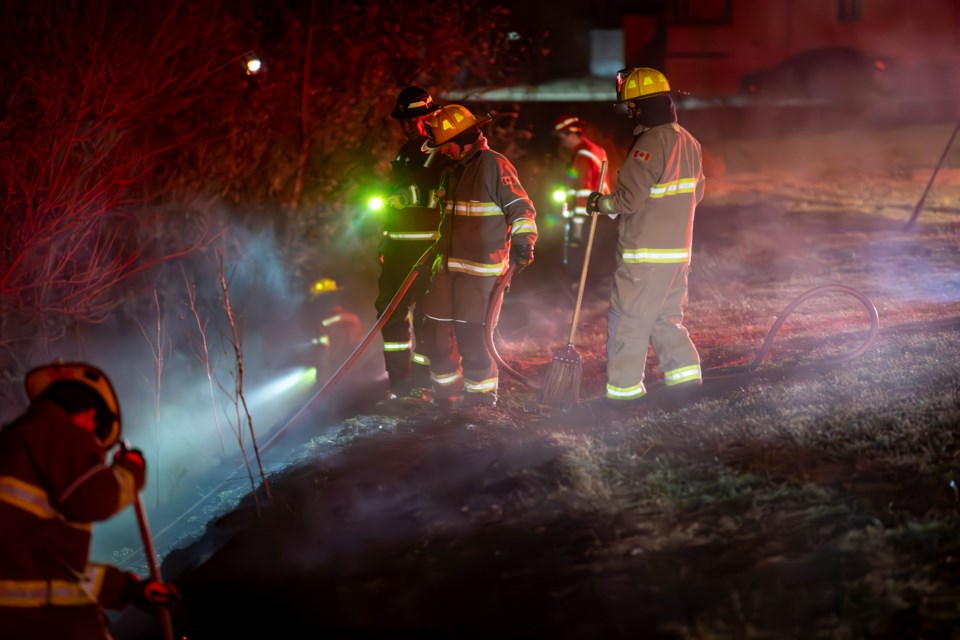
639	83
449	122
322	286
108	417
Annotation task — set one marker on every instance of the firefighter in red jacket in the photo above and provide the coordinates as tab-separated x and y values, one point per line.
586	158
55	482
582	175
658	189
488	223
409	229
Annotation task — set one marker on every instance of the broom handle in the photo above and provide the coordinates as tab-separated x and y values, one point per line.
586	259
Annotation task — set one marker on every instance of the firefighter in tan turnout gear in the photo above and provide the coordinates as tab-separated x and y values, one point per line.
55	482
658	189
488	223
409	229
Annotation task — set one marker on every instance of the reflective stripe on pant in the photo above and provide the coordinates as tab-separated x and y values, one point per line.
646	307
455	306
397	330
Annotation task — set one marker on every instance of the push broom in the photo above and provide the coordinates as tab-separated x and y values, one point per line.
562	386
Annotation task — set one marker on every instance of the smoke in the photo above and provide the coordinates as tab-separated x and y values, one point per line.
188	428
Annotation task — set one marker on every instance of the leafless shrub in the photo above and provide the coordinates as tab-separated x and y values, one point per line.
157	349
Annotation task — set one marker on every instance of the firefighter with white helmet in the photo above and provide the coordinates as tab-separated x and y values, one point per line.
585	157
488	223
54	483
409	228
658	189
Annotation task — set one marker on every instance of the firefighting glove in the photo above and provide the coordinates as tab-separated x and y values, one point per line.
521	255
399	200
132	461
593	203
150	594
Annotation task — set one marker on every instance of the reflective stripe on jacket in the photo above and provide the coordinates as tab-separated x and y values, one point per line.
485	208
88	589
658	189
53	484
415	176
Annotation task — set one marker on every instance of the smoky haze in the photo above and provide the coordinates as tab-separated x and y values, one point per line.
177	427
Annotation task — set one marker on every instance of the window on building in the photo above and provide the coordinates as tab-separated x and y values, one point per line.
701	12
849	10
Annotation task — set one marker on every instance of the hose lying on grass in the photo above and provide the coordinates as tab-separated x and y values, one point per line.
719	372
722	372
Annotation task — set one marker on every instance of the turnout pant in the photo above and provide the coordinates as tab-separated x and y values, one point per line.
403	356
646	306
456	307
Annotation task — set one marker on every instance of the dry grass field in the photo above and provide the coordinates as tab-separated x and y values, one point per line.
800	501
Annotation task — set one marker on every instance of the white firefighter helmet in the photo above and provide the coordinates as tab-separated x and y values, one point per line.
39	380
565	123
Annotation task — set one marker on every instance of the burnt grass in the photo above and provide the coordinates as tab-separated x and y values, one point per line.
799	501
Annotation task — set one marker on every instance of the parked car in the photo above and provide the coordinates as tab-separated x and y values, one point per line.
831	73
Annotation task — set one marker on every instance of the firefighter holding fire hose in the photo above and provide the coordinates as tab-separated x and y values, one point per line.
488	223
409	228
658	189
54	483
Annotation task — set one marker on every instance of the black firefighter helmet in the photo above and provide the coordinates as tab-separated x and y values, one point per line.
414	102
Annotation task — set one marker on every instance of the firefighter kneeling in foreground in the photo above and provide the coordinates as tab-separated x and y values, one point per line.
488	223
55	482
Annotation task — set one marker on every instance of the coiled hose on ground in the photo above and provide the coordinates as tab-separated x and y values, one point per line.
496	301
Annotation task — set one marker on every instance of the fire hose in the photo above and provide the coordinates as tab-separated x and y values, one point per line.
490	326
493	311
358	350
722	372
496	300
319	395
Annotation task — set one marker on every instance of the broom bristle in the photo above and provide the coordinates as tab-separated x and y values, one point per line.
562	386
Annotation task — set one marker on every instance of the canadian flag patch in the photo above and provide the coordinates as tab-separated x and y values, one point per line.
641	155
508	180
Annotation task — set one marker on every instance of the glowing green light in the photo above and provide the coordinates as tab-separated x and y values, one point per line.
376	203
559	195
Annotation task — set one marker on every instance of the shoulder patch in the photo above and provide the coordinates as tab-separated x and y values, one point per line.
508	180
641	155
